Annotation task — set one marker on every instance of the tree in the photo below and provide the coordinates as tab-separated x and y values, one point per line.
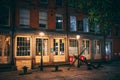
103	12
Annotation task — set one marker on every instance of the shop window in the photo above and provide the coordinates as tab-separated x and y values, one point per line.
73	26
43	20
61	47
23	46
73	46
59	22
4	16
24	17
55	47
98	47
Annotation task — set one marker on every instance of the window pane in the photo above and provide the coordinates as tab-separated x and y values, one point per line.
72	23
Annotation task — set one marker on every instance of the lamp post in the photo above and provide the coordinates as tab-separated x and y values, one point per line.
78	37
41	60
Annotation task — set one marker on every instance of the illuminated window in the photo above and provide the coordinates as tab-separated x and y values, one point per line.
4	16
73	46
59	21
85	25
43	20
24	17
73	26
23	46
41	49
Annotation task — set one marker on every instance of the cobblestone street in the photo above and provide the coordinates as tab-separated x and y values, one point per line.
107	72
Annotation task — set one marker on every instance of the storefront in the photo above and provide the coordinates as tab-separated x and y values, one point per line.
54	47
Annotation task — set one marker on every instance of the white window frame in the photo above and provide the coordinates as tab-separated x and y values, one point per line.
17	46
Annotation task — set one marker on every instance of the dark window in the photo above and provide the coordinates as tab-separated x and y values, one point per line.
43	1
4	16
59	3
72	3
80	25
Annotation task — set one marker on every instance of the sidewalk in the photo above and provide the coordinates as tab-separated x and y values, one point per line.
108	72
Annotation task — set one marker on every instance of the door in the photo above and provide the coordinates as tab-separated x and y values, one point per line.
58	50
42	48
86	44
4	49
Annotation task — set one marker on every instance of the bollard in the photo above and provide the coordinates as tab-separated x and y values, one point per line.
89	66
56	67
25	69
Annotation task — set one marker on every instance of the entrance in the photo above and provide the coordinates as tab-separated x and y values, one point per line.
58	48
4	49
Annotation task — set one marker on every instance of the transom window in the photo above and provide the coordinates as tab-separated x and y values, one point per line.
43	20
24	17
23	46
59	21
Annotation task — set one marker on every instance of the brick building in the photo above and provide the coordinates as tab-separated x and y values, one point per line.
29	28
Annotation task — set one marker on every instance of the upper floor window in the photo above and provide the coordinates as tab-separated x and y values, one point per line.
85	25
23	46
4	16
59	21
80	25
24	17
43	20
72	3
73	26
43	1
59	3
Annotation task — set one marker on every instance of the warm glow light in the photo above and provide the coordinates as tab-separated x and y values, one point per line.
78	36
41	33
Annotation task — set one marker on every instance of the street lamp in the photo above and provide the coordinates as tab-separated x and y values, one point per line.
78	37
41	60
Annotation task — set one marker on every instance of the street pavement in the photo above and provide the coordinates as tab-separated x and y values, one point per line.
108	71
